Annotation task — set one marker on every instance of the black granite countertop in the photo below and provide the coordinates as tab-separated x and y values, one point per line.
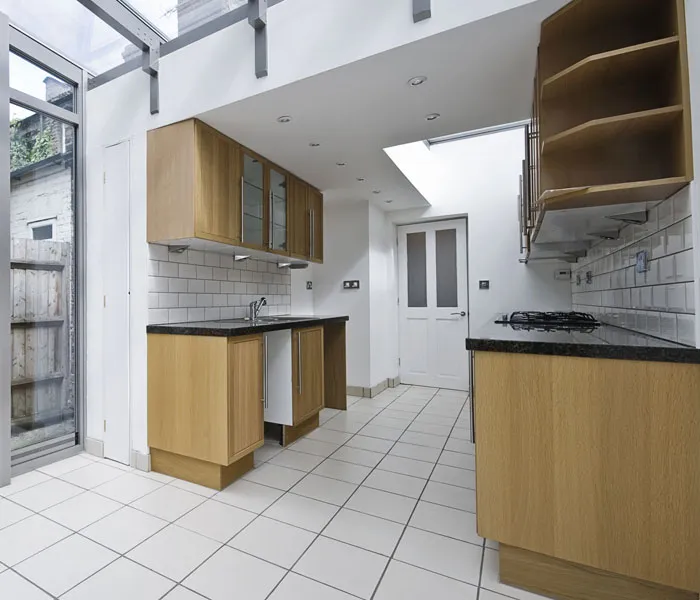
234	327
605	341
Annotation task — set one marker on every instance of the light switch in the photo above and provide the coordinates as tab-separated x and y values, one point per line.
309	285
353	284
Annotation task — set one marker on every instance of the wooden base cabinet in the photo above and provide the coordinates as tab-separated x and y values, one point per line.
307	373
205	402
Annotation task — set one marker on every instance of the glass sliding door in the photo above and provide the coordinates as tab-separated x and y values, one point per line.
45	186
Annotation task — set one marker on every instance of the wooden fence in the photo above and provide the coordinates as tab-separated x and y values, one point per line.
42	352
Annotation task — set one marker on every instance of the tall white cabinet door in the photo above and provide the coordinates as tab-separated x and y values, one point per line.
278	377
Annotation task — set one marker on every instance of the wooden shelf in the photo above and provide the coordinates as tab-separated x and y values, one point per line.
600	131
23	381
619	193
599	67
40	322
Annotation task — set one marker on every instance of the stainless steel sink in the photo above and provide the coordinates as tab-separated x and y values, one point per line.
260	320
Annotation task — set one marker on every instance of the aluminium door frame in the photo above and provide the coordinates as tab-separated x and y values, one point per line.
15	41
426	221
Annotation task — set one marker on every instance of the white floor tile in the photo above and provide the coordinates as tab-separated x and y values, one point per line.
342	566
248	496
124	529
328	435
431	428
366	531
382	504
302	512
489	579
266	452
435	419
168	502
254	579
296	460
378	431
461	433
394	412
314	447
81	510
174	552
328	490
450	495
216	520
42	496
122	579
116	465
357	456
415	452
327	413
392	422
406	582
446	521
159	477
271	475
273	541
181	593
404	485
406	466
424	439
65	564
65	466
23	482
15	587
92	475
485	594
454	476
127	488
456	459
200	490
462	446
11	513
296	587
440	554
372	444
345	471
27	537
345	425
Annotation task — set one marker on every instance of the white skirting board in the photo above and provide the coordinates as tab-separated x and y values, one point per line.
139	460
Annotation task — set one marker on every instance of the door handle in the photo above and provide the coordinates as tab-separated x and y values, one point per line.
299	371
461	314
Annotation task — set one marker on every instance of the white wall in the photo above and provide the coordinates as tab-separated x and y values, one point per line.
479	177
302	299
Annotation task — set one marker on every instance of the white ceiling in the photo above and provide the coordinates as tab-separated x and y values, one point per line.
479	75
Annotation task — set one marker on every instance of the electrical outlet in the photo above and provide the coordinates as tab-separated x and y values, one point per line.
484	284
353	284
309	285
562	275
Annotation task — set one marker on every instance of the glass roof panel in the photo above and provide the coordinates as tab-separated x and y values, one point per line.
174	17
72	30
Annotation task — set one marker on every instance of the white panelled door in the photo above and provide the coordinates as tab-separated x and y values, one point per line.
433	304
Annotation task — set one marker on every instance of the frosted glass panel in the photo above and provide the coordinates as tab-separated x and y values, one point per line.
416	269
446	268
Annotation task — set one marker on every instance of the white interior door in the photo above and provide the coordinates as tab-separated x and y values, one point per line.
433	304
116	286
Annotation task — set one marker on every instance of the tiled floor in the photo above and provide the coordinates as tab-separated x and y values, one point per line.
378	503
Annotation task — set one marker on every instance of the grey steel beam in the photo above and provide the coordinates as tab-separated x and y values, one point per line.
257	17
5	246
421	10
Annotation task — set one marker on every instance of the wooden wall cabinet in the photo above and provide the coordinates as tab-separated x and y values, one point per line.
205	402
307	373
203	185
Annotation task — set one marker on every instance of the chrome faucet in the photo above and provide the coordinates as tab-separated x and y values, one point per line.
255	307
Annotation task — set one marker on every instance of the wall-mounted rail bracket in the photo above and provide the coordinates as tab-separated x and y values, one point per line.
257	17
421	10
150	66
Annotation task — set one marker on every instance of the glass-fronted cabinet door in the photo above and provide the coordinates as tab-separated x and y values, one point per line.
277	235
252	201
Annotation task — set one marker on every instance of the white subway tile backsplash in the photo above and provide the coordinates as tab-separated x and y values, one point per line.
204	273
226	261
226	287
219	299
251	288
188	300
212	260
153	300
247	276
187	271
157	284
177	257
227	312
212	314
235	300
195	314
158	252
166	269
660	301
234	275
168	301
177	285
177	315
195	286
219	274
204	300
153	267
212	287
157	316
239	288
195	257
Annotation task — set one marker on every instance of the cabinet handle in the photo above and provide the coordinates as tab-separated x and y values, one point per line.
242	207
269	242
265	399
299	376
313	233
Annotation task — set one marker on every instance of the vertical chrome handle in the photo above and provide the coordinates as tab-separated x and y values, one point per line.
242	206
299	361
313	233
269	242
311	230
266	400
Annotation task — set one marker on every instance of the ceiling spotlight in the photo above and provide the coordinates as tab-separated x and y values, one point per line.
376	191
432	117
284	119
340	164
416	81
360	179
314	144
388	201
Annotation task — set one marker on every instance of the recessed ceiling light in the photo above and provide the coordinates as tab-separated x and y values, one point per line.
360	179
416	81
314	144
376	191
432	117
284	119
388	201
340	164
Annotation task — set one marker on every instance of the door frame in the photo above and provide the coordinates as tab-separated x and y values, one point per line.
427	221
